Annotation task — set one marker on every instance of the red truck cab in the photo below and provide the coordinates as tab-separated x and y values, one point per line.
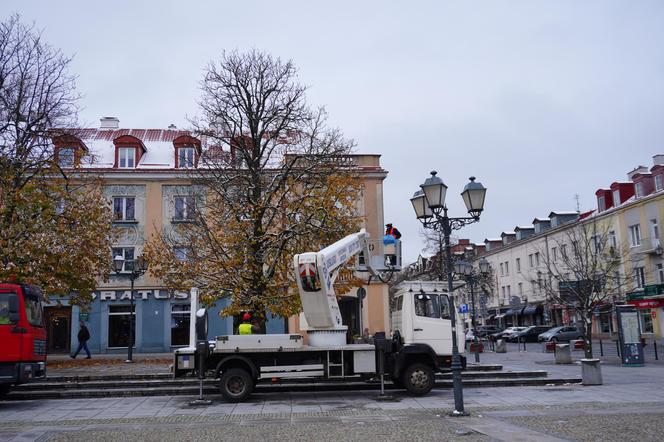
22	335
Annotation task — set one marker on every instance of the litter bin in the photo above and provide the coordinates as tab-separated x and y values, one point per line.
563	355
591	372
501	346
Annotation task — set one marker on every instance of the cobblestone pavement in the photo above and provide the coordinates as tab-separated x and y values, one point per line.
629	406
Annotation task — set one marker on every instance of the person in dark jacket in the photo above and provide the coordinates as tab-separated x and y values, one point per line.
83	337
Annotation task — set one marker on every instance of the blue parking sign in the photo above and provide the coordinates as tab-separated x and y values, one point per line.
463	308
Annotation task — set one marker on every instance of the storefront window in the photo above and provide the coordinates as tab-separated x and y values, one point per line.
646	321
180	314
118	325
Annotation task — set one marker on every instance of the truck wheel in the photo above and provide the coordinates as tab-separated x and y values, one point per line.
418	379
236	384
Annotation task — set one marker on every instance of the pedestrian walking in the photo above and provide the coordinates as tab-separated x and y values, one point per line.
83	337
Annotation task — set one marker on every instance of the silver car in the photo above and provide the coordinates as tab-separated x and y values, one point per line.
561	334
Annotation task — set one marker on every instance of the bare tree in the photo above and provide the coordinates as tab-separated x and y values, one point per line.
276	181
584	271
53	232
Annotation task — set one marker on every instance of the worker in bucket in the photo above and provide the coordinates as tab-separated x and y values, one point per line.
392	231
246	328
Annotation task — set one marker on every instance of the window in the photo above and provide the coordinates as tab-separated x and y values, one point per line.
638	190
563	250
616	198
660	272
66	157
444	307
601	203
597	244
520	289
127	253
507	268
530	258
502	269
616	278
127	157
118	325
509	291
180	314
654	231
185	208
427	305
635	235
612	240
639	277
124	208
399	304
185	157
658	183
181	253
4	307
33	310
645	321
504	293
518	265
554	254
537	263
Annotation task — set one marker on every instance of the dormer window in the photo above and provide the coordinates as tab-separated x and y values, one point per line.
127	157
186	157
66	157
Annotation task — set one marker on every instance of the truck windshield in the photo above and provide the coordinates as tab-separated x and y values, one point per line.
33	311
427	305
4	308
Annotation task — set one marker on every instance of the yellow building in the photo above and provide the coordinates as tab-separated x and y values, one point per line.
146	181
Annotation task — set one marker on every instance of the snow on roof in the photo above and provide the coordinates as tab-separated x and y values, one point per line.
493	240
524	228
507	233
563	213
541	220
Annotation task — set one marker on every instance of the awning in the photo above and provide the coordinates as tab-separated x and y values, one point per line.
500	316
533	310
513	312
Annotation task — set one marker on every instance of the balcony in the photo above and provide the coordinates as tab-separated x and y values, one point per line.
648	246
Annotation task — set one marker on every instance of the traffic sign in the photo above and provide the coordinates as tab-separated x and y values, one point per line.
463	308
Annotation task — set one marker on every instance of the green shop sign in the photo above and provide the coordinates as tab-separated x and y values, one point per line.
648	291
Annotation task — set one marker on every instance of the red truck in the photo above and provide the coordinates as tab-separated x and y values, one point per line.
22	335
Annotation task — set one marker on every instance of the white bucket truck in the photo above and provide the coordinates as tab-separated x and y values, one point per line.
420	343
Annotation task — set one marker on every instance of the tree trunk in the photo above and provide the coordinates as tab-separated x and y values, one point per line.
588	334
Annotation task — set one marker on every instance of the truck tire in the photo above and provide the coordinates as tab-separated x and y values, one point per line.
418	379
236	384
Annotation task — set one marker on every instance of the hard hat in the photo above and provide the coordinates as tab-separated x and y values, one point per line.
246	317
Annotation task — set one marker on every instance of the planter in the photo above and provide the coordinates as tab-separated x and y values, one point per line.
479	345
591	372
563	355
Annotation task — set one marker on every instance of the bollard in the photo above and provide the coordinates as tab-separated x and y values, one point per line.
501	346
655	346
601	348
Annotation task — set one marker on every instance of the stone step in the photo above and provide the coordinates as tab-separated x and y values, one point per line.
151	382
191	388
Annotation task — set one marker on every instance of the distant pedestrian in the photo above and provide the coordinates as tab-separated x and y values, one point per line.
83	337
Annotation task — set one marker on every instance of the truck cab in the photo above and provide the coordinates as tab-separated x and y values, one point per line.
421	318
22	335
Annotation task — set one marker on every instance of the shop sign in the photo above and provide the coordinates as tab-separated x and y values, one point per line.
83	316
648	303
144	295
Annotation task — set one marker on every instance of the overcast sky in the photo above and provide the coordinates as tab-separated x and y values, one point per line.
540	100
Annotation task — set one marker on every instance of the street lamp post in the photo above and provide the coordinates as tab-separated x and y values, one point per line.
138	267
430	209
466	269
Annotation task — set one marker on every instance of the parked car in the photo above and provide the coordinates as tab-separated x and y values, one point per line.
530	334
486	330
503	334
560	334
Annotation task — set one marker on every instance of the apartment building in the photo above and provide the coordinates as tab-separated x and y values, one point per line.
148	188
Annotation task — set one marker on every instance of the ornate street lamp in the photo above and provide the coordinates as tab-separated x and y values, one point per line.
138	267
465	269
430	209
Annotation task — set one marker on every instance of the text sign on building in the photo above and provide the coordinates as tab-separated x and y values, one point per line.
631	350
125	295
